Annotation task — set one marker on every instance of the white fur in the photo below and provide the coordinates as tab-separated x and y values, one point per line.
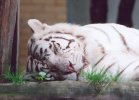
105	34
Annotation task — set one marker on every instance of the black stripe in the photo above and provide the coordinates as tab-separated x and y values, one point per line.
37	68
101	46
99	60
59	32
70	41
45	51
108	67
58	45
124	42
121	72
122	38
32	41
31	64
41	51
85	61
136	67
46	39
134	52
84	50
125	68
41	68
55	48
56	37
30	49
102	31
27	68
35	49
50	46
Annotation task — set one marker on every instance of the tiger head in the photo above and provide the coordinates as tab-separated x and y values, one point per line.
55	49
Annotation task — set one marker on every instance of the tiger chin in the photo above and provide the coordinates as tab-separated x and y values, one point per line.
63	51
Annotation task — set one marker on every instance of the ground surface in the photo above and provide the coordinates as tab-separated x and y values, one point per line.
67	90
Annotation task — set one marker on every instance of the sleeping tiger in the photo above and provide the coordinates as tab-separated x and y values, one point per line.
64	50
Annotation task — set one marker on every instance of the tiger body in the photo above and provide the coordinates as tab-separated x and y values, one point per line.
64	50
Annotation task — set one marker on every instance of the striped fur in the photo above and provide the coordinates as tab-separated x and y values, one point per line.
64	50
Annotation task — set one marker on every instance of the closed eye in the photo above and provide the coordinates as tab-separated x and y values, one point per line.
47	55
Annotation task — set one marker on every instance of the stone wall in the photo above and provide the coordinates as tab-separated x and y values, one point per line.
49	11
68	90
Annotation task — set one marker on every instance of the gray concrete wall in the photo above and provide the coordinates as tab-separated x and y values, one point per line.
136	15
68	90
113	6
78	12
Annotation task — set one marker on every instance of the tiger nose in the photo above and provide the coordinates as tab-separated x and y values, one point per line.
70	67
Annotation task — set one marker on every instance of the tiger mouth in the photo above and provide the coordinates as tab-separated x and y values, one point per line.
70	67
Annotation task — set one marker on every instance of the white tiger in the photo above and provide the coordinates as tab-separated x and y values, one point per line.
64	50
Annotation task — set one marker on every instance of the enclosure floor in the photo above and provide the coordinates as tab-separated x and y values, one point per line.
67	90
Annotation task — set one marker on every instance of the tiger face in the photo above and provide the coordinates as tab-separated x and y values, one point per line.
54	52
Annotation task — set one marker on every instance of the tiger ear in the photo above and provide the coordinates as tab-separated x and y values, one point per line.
36	25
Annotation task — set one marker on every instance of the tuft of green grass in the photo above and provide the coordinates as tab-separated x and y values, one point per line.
15	78
100	80
95	77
